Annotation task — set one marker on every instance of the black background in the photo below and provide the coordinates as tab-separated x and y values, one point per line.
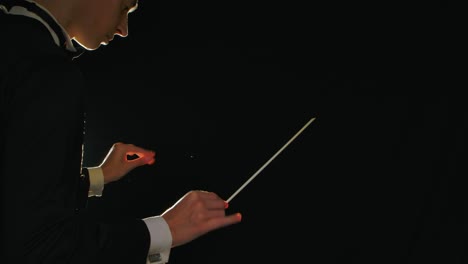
216	88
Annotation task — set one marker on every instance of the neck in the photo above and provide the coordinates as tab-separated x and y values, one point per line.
61	10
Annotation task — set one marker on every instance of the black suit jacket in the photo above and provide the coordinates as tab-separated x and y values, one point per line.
44	190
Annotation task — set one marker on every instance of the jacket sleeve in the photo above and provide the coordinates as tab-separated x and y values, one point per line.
44	190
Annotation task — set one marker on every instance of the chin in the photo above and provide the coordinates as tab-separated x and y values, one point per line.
95	46
90	46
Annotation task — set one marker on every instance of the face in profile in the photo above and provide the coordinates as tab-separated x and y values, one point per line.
99	21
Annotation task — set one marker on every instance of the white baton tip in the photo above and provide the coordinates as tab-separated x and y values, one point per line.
273	157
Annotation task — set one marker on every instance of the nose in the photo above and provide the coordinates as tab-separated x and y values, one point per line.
122	28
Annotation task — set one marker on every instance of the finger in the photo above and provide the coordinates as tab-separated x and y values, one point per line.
135	150
208	200
141	160
205	195
148	153
144	156
218	222
212	214
215	204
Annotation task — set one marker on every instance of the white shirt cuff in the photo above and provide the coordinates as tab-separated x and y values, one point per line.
96	181
161	240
